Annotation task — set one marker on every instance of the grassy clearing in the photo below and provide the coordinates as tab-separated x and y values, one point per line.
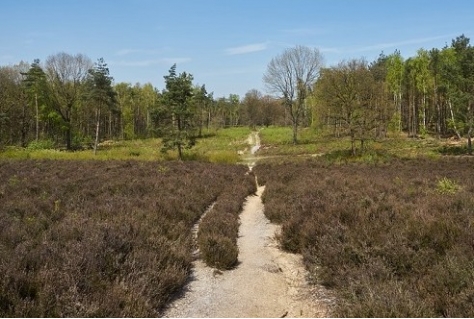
101	239
277	141
147	150
218	146
222	146
391	240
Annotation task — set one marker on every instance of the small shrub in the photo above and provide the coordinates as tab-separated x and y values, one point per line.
218	251
41	145
134	153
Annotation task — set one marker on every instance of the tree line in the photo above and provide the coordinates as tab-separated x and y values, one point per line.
430	93
70	102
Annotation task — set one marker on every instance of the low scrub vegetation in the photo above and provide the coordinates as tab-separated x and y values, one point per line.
391	240
219	229
102	238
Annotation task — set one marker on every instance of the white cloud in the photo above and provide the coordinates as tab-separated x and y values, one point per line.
381	46
124	52
150	62
329	50
175	60
249	48
305	31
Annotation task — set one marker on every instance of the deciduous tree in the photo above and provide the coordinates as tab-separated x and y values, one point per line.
354	99
66	75
291	75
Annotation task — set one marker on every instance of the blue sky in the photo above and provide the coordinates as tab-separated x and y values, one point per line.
226	45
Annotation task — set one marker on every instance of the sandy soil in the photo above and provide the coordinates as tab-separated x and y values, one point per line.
267	282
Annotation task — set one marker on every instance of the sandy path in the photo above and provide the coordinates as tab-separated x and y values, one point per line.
266	283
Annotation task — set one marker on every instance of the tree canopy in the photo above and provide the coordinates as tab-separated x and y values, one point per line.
291	75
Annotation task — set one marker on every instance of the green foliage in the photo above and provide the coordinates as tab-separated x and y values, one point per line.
41	145
174	119
99	86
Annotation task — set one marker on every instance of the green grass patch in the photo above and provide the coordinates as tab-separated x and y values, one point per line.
447	186
229	139
277	141
217	146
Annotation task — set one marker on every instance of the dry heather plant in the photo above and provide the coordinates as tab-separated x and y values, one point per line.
100	239
219	229
383	237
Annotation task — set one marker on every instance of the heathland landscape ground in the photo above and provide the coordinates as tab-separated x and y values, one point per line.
387	233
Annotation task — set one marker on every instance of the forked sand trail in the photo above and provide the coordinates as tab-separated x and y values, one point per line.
267	282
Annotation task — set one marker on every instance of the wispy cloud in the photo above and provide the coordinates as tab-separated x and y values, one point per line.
397	44
329	50
150	62
125	52
175	60
305	31
249	48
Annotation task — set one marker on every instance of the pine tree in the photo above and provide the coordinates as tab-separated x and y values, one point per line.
175	117
101	92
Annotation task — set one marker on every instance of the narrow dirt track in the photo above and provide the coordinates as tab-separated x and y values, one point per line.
267	282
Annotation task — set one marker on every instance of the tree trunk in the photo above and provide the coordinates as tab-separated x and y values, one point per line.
469	141
295	132
24	126
68	135
37	117
452	119
97	127
469	132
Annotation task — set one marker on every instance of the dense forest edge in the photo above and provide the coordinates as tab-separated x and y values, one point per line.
70	103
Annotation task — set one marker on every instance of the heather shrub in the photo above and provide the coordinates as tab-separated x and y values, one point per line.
100	238
219	229
41	145
389	239
218	251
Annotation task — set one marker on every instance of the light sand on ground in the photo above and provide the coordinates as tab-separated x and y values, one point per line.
266	283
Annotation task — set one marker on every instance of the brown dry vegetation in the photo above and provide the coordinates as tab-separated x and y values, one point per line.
219	229
392	240
100	239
